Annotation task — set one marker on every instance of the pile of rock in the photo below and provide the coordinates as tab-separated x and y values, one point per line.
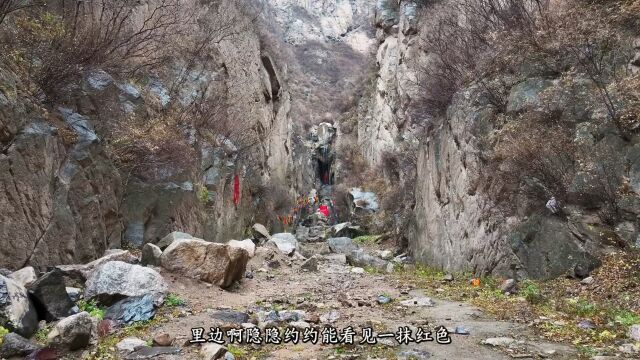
126	291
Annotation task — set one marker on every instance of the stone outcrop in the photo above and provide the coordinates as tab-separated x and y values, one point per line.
458	221
58	200
62	197
210	262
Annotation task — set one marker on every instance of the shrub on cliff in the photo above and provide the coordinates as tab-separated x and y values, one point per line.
58	43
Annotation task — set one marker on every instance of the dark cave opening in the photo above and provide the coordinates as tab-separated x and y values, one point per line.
324	172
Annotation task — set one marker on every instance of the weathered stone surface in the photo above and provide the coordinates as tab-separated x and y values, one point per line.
213	351
311	264
50	295
527	94
246	244
260	232
286	242
364	201
214	263
74	293
116	279
229	318
16	345
24	276
150	255
82	272
58	203
499	341
130	344
163	339
131	309
343	245
17	313
147	352
361	258
170	238
449	204
634	332
346	230
509	286
73	332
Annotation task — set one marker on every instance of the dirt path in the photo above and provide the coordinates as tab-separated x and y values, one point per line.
352	298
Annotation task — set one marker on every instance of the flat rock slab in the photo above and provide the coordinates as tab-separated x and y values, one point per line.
151	352
230	317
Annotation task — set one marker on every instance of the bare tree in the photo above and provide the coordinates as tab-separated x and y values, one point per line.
9	6
117	36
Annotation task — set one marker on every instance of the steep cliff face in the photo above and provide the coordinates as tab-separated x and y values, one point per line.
385	121
66	199
60	193
474	210
258	89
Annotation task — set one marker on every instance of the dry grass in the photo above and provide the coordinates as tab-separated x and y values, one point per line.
554	308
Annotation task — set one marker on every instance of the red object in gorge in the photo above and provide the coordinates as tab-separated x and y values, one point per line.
236	190
324	209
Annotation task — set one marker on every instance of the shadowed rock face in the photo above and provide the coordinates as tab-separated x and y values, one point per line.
58	203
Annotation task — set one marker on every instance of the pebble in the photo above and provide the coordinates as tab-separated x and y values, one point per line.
499	341
386	255
629	348
163	340
586	324
383	300
357	270
634	332
588	280
212	351
330	317
130	344
461	330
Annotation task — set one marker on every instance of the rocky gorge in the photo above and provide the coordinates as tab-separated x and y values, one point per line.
172	165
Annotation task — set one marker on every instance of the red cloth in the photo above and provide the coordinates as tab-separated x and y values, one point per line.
324	209
236	190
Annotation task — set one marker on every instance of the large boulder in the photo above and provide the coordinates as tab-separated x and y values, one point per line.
150	255
246	244
169	239
24	276
210	262
363	201
116	279
81	273
50	296
342	245
346	230
362	259
17	313
286	242
260	232
73	332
